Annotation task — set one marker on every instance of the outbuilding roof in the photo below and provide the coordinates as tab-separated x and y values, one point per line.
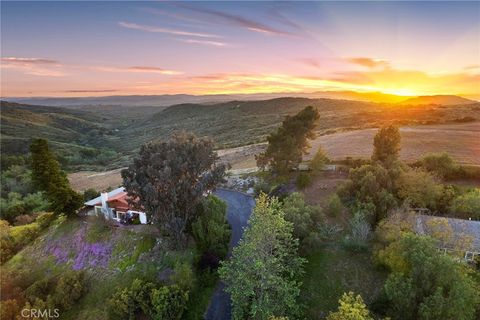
459	227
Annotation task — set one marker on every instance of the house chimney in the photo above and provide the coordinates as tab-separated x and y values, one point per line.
104	196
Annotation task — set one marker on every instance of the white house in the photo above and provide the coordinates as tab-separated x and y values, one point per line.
114	205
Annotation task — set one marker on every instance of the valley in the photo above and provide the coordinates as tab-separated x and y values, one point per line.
99	138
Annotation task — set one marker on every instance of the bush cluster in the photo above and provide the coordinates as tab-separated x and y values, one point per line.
148	300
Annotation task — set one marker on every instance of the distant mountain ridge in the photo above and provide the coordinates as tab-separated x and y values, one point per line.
174	99
446	100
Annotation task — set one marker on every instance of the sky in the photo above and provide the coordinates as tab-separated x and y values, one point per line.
90	48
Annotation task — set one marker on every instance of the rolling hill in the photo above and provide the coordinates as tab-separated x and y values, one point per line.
446	100
106	137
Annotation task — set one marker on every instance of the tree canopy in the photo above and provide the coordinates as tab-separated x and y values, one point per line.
429	285
262	274
350	307
169	178
287	145
47	176
386	144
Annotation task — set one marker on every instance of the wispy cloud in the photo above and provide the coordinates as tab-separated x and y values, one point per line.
152	70
205	42
28	61
236	20
135	69
368	62
177	32
33	66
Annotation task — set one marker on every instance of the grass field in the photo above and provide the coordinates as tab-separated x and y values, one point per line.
461	141
332	271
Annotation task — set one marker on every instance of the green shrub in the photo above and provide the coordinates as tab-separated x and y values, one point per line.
440	164
333	206
168	302
302	216
15	205
467	205
211	230
319	160
303	180
126	303
13	239
183	276
164	302
419	188
69	288
90	194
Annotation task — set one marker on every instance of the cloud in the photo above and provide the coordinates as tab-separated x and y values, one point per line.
33	66
368	62
28	61
152	70
238	21
136	69
165	30
205	42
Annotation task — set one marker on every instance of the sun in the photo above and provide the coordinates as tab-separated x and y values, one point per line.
407	92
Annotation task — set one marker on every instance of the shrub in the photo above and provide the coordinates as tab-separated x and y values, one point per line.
168	302
90	194
301	215
303	180
359	233
211	230
10	309
24	219
69	288
333	206
15	238
350	307
15	205
467	205
419	188
440	164
319	160
183	276
126	303
371	188
16	179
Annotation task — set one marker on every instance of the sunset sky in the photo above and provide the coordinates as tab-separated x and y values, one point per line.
124	48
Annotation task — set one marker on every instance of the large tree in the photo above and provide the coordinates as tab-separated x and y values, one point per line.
169	178
47	176
289	143
387	144
429	285
262	274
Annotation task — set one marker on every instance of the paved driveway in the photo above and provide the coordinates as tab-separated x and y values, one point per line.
239	209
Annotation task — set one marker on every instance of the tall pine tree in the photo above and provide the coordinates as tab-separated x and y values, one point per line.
47	176
287	145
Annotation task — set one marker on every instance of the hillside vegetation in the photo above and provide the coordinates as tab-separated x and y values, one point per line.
106	137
